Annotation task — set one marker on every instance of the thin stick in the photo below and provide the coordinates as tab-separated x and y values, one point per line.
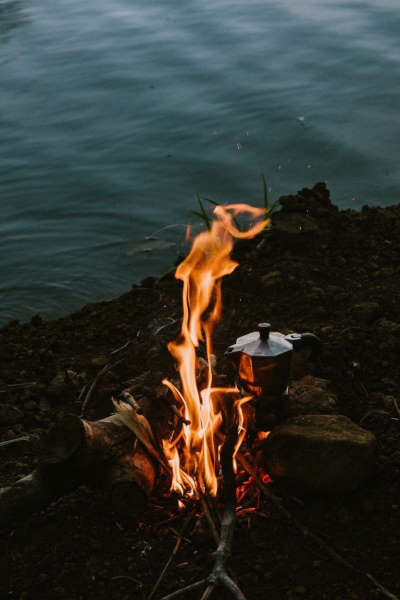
176	411
380	587
117	350
307	533
219	574
188	588
210	520
160	329
173	554
169	401
374	412
208	591
17	386
127	397
94	383
396	406
23	438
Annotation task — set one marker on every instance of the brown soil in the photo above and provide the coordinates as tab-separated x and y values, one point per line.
335	273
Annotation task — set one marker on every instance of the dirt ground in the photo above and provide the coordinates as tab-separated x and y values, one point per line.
334	273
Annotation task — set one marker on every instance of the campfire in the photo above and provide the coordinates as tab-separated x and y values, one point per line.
193	452
209	421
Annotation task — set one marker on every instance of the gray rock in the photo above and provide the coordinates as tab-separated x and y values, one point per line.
10	414
320	453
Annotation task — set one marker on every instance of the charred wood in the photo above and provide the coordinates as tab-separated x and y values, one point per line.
73	452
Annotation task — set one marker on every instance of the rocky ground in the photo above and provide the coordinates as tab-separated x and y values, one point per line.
335	273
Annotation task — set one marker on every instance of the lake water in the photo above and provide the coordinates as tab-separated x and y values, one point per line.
114	114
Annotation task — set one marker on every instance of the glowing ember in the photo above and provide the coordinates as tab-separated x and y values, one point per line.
193	455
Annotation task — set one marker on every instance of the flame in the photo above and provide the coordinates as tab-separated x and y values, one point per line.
194	455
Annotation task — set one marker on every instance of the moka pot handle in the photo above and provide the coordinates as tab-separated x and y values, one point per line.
300	341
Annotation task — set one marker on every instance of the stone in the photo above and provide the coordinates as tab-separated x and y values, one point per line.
10	414
311	396
320	453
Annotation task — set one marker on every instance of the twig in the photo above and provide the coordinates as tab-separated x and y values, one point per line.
127	397
162	327
207	513
207	592
373	412
188	588
117	350
173	554
307	533
82	392
396	406
172	406
168	398
94	383
23	438
17	386
380	587
219	576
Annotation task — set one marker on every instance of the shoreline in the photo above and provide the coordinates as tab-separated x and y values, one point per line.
156	277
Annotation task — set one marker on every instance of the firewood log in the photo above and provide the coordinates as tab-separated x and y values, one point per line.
73	452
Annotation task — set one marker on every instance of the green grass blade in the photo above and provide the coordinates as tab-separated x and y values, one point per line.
203	215
274	206
210	201
265	190
237	224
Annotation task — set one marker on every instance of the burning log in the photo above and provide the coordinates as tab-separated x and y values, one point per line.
101	453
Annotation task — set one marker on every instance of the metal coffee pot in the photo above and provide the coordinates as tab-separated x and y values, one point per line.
262	358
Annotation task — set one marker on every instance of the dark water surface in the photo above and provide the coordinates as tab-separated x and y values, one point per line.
113	114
